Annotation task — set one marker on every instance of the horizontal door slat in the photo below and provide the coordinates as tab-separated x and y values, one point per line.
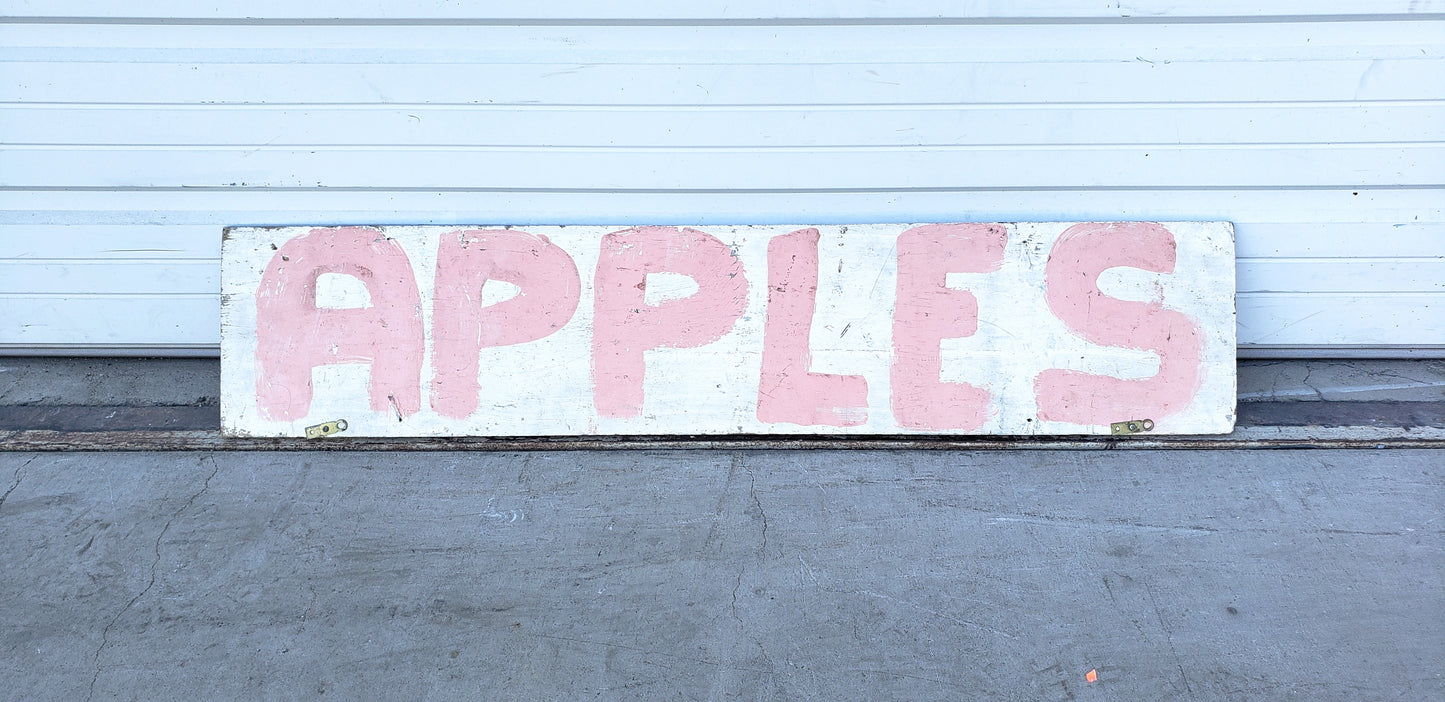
734	169
760	44
572	10
1407	216
726	83
434	126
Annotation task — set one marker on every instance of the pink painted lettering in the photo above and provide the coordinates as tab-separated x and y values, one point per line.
549	289
927	311
625	326
294	335
1082	253
787	390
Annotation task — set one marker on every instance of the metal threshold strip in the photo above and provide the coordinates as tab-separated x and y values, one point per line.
1261	425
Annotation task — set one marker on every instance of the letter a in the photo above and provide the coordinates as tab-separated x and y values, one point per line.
294	335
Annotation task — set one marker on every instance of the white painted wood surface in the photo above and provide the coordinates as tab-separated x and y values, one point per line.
724	332
128	142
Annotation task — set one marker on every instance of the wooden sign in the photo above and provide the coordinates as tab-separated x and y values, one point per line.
1021	329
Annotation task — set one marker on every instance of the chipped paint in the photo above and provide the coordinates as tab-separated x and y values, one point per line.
1019	329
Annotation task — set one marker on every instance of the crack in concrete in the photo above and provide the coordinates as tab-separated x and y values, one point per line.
1309	370
895	673
761	556
753	493
310	605
1076	523
18	477
1391	373
737	583
1169	638
1143	635
648	652
743	627
712	532
936	614
105	633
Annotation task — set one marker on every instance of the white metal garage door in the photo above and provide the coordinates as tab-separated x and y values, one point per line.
134	131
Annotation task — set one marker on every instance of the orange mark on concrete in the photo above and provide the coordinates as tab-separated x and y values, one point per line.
1092	675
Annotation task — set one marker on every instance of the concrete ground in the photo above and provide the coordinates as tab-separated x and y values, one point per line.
1211	575
1311	574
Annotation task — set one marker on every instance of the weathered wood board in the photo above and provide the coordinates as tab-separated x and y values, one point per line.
1022	328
